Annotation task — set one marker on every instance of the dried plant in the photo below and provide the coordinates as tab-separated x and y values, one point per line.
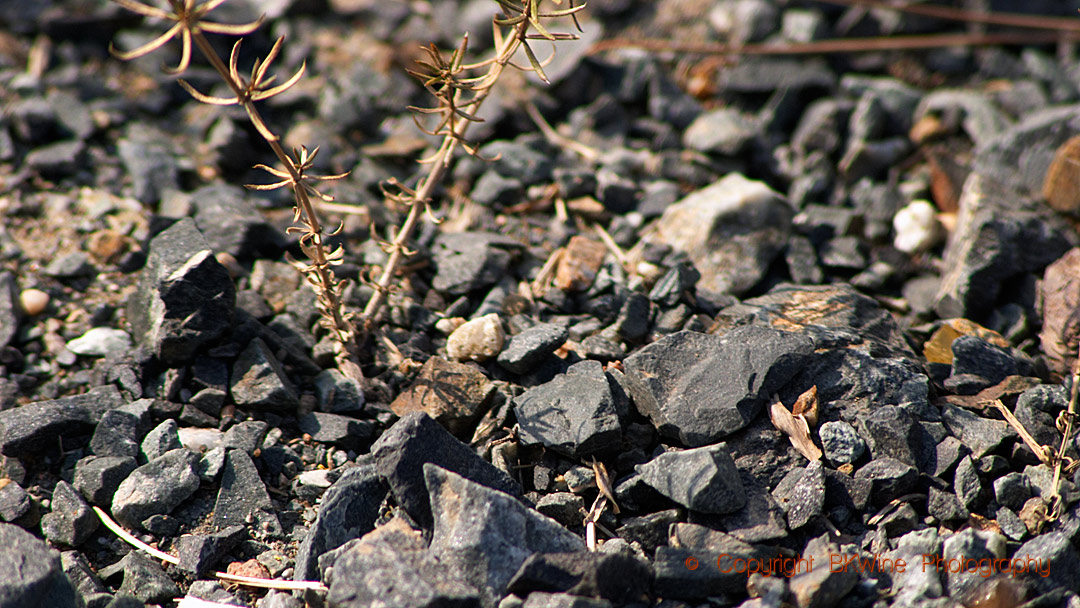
459	89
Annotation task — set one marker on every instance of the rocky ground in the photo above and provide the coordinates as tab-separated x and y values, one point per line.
747	318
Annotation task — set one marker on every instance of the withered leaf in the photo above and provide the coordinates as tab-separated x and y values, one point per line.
807	406
796	428
938	349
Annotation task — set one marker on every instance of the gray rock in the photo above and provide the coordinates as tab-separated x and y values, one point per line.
164	438
563	507
247	436
994	242
573	414
891	432
948	453
620	578
841	442
822	585
467	262
980	435
348	510
31	574
1054	557
82	576
869	158
231	223
243	499
401	452
822	126
520	160
967	484
969	544
802	494
70	520
698	388
98	477
972	111
70	266
144	579
1036	409
150	160
485	535
370	571
337	394
732	230
494	189
16	505
120	429
343	431
156	488
767	74
1018	156
532	346
762	519
889	478
916	584
36	427
945	506
632	323
724	131
11	311
200	552
1012	490
258	380
701	479
1010	523
185	299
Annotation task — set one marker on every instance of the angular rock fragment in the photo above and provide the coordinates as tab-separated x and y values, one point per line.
348	510
200	552
619	578
466	262
732	231
452	393
699	388
701	479
98	477
485	535
243	499
185	298
803	496
574	414
156	488
35	427
343	431
889	478
232	224
530	347
10	309
258	380
70	520
401	452
31	574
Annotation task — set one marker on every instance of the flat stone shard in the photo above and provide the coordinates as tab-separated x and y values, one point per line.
31	573
699	388
258	380
35	427
156	488
452	393
185	298
243	500
701	479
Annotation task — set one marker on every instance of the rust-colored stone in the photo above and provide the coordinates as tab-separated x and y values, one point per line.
454	394
1061	188
1061	313
579	264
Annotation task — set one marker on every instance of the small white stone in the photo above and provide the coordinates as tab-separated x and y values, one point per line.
447	325
34	301
320	478
200	440
100	341
477	340
917	227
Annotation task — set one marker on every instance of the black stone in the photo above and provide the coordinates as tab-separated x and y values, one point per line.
37	427
401	452
185	299
972	355
243	500
574	414
621	579
889	478
343	431
258	380
891	432
467	262
701	479
802	494
200	552
231	224
530	347
698	388
156	488
31	574
70	521
98	477
145	580
10	308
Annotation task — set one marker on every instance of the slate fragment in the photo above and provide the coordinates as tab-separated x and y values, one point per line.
200	552
70	521
185	299
156	488
243	500
701	479
348	510
573	414
258	380
699	388
402	451
36	427
485	535
619	578
31	574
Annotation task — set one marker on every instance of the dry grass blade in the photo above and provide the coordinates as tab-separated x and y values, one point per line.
796	428
1042	452
249	581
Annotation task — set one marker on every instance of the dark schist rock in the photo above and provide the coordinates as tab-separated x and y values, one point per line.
485	535
31	574
156	488
416	439
232	224
466	262
701	479
258	380
243	500
185	299
35	427
699	388
532	346
200	552
348	510
574	414
11	310
619	578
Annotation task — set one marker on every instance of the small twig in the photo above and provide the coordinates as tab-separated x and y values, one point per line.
249	581
1041	452
612	246
1070	416
556	138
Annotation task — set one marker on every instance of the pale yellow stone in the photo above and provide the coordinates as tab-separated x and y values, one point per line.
477	340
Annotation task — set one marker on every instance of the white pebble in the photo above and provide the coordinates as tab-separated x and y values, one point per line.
917	227
477	340
100	341
34	301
